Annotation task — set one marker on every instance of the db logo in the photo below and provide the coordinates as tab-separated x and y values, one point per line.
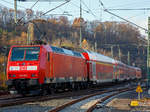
23	68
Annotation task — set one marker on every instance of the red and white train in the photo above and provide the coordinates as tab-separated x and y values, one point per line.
44	67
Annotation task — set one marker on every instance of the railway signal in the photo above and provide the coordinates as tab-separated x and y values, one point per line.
135	103
139	90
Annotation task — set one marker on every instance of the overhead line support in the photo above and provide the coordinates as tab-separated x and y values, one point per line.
148	54
15	6
80	24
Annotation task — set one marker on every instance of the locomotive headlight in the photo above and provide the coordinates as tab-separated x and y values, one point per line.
12	68
31	67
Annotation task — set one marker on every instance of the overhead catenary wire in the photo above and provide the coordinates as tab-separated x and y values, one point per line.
88	8
13	4
79	7
129	9
121	17
55	7
30	9
21	7
34	4
46	11
130	3
43	34
89	11
126	20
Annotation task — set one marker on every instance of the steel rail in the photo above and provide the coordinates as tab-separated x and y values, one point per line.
106	98
59	108
11	101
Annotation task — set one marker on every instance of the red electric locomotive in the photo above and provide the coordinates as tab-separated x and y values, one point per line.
44	67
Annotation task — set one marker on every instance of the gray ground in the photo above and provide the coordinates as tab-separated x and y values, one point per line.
121	103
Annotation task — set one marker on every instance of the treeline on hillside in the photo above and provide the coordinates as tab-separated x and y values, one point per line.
119	40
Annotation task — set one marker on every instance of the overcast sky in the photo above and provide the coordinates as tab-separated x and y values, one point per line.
92	9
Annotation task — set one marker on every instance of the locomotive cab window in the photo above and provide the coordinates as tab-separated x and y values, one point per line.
25	53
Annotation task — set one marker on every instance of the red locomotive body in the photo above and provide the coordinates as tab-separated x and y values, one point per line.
24	67
65	63
37	66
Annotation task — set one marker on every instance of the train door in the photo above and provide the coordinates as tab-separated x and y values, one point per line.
117	73
114	72
48	63
93	70
47	70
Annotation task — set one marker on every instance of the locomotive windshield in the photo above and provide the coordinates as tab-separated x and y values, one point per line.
25	53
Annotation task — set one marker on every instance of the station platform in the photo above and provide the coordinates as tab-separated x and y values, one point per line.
131	102
122	102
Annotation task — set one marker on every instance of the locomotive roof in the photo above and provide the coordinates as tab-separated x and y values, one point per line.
100	57
137	68
55	49
66	51
120	63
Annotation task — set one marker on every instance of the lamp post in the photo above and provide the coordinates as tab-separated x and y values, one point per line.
112	53
95	43
80	24
15	6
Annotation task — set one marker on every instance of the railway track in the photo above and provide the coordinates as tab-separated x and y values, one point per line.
11	100
93	101
51	102
9	96
4	93
21	100
101	100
